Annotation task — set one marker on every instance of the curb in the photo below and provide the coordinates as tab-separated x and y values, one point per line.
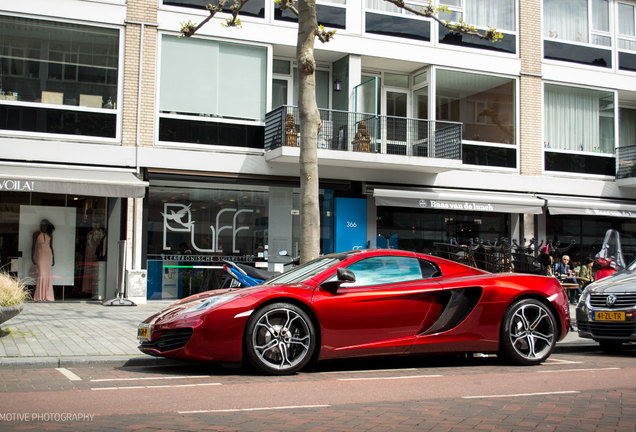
71	361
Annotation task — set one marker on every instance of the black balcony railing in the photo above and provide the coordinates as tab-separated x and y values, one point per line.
626	162
349	131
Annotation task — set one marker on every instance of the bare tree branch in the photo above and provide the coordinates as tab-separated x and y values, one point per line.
189	28
287	4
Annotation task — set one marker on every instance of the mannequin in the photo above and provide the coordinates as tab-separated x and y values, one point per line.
43	258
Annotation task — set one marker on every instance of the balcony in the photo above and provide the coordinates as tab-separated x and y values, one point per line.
626	161
367	141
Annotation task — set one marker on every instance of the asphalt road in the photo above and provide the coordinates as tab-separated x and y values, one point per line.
572	391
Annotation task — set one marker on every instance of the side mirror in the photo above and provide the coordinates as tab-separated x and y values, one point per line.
342	275
345	275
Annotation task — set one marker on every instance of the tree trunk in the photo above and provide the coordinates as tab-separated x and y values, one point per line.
309	126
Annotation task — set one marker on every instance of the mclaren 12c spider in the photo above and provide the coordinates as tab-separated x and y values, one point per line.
364	303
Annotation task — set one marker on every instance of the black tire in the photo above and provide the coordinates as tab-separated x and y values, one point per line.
279	339
611	346
528	333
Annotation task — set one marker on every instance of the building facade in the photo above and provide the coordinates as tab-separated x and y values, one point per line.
114	128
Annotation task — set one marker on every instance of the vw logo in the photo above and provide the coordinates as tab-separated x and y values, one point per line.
610	300
423	204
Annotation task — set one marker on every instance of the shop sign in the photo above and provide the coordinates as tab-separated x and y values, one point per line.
178	218
456	205
17	185
611	213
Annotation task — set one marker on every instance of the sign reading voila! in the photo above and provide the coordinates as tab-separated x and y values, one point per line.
17	185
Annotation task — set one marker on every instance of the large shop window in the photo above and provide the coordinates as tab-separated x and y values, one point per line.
193	226
587	233
420	230
203	103
579	120
486	107
81	242
482	14
58	77
577	31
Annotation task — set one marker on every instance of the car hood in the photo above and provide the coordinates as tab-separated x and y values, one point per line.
624	281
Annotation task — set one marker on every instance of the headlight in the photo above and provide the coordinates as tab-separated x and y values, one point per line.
212	302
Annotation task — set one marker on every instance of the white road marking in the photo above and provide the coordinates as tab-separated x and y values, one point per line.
254	409
578	370
556	360
369	370
150	378
68	374
521	394
155	386
389	378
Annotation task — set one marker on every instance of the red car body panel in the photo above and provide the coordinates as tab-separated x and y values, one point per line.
394	319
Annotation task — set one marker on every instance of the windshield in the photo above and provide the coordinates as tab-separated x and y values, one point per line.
632	266
305	271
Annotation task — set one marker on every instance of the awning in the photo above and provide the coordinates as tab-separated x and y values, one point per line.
448	199
558	205
72	181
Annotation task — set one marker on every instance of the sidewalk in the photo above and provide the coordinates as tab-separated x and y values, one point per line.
56	334
67	334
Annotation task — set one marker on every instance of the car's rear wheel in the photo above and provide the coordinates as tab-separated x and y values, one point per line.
528	332
279	339
610	346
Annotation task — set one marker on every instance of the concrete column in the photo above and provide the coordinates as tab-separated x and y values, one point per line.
529	228
355	77
372	223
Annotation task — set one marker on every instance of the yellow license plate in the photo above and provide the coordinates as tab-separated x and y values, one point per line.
143	333
609	316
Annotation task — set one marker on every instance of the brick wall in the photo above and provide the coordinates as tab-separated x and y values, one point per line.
531	106
139	11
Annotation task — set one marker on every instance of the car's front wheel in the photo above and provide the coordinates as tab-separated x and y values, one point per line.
279	339
528	332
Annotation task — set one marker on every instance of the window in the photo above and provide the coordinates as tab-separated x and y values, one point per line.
323	88
579	119
384	270
58	78
499	14
484	104
201	103
384	18
581	21
627	127
253	8
626	27
330	13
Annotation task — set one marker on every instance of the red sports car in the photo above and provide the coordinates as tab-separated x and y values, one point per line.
365	303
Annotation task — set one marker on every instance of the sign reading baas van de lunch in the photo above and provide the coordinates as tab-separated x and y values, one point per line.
456	205
12	185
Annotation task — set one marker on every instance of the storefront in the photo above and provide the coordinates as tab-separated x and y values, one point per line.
193	224
582	222
422	219
84	206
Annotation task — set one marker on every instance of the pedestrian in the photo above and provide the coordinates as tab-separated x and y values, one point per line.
585	275
564	271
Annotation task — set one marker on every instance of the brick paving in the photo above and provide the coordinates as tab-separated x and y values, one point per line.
602	410
81	330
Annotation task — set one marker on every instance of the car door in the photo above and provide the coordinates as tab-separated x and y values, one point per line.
379	313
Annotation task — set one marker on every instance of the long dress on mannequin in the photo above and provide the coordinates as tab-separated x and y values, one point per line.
44	260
